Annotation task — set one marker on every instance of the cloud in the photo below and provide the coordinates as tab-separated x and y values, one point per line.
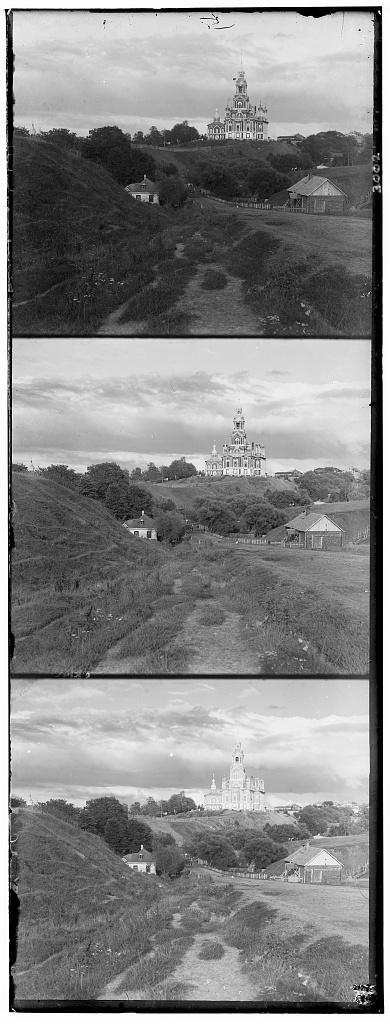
75	737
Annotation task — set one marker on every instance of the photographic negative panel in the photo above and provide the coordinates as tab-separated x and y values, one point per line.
191	510
146	211
230	818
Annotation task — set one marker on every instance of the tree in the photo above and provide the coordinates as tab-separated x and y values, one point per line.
218	180
170	527
17	801
136	474
282	499
217	852
154	137
152	473
172	192
96	813
103	474
112	148
179	803
61	474
61	809
20	130
179	469
138	137
116	499
183	132
282	833
62	137
169	861
19	467
262	182
262	851
138	832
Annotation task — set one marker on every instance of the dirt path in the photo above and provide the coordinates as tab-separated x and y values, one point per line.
221	311
215	980
218	650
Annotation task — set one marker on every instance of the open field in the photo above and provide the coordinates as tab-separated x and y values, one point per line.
90	929
89	259
87	597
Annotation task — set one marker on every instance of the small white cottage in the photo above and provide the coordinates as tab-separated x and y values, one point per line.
141	861
143	527
145	191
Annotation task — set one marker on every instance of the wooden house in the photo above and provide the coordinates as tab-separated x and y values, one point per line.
143	527
141	861
145	191
316	194
313	866
315	530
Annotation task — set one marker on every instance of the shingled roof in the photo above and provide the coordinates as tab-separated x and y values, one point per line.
143	857
143	522
143	186
306	186
306	522
306	853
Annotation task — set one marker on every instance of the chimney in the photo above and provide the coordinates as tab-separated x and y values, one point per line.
142	846
307	844
144	177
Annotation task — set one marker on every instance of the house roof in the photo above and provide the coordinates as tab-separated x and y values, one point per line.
277	533
143	855
305	522
279	198
142	186
306	186
144	522
305	854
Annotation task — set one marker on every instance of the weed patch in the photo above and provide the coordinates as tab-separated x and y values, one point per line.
212	617
211	951
213	280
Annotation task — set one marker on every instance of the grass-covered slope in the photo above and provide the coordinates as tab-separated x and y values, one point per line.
79	580
82	913
78	238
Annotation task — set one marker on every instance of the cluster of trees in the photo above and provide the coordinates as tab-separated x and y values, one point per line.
239	179
332	484
238	848
238	513
336	149
109	484
181	133
326	819
179	469
178	803
113	149
108	818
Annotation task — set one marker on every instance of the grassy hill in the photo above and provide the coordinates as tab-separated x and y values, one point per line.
84	917
79	240
90	929
184	492
79	580
185	830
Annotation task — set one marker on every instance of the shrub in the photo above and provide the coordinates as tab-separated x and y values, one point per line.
211	951
212	617
213	280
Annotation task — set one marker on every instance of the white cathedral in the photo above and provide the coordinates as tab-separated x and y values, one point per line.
242	119
239	456
240	792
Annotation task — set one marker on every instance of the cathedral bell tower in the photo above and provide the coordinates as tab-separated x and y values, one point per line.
238	433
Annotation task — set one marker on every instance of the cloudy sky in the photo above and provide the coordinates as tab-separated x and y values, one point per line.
308	739
83	401
82	70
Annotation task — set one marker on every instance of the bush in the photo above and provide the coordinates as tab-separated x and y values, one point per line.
211	951
213	280
212	617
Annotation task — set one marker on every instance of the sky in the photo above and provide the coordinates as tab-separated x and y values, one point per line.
308	739
81	70
79	402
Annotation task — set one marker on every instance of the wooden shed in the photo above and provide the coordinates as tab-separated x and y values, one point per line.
313	866
316	194
315	530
